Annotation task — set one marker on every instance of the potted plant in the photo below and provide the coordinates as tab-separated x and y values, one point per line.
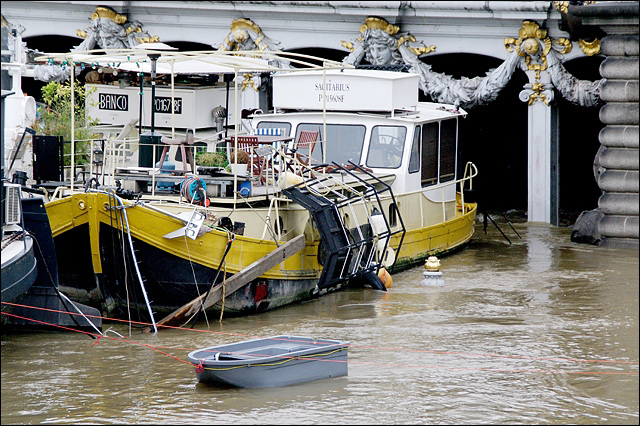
212	159
239	166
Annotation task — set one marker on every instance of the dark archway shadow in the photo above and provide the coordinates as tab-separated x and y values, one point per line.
579	142
190	46
493	136
331	54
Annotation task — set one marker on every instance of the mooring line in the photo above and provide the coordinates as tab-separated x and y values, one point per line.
429	351
98	336
496	370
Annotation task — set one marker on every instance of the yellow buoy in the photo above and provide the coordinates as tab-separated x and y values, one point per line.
385	277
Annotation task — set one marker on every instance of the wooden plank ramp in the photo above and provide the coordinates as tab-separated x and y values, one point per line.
183	314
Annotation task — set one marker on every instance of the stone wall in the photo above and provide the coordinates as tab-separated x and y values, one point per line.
615	222
617	172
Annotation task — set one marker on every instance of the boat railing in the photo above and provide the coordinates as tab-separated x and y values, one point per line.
470	171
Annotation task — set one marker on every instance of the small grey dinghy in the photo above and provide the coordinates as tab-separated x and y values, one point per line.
271	362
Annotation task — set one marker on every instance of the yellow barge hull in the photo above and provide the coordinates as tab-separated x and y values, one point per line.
90	229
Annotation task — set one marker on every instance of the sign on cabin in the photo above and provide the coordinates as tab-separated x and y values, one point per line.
113	102
164	105
192	106
346	90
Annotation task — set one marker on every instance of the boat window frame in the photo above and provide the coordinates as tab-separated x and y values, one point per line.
416	143
371	141
451	139
430	179
276	125
319	127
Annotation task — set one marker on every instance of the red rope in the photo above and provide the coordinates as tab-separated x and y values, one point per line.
156	348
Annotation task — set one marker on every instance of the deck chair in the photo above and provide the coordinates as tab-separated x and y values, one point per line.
249	144
186	151
306	141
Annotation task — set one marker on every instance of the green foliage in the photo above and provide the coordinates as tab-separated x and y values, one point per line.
212	159
55	119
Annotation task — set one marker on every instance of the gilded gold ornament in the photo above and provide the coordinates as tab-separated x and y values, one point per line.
103	12
590	48
348	45
380	24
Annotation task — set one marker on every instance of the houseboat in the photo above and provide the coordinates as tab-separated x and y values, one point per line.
349	178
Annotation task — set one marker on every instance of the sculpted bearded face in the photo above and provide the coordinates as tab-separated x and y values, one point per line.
109	35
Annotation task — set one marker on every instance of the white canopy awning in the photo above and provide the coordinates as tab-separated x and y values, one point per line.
198	62
138	60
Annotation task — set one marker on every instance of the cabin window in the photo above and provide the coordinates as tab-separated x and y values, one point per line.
393	217
429	154
414	159
286	127
285	130
386	146
448	136
344	142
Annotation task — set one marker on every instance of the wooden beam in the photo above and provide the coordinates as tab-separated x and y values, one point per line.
237	281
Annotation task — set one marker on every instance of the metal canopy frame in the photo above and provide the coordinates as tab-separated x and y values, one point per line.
192	62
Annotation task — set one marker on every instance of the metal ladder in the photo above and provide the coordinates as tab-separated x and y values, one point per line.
346	254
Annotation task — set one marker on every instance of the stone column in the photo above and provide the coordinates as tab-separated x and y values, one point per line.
542	152
615	222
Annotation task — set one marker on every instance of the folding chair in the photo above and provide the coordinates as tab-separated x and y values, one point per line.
306	140
248	144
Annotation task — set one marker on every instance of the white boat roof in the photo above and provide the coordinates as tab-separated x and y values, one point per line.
346	90
424	112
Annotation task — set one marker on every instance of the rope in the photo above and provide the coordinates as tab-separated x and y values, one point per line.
135	263
58	292
394	365
119	236
383	348
222	262
193	272
224	290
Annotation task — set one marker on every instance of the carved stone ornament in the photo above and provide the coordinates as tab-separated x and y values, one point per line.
110	30
246	35
536	92
590	48
248	82
543	54
381	44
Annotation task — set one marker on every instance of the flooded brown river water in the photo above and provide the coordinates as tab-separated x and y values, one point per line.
543	331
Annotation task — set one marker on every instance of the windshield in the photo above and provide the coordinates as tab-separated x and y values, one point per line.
344	142
386	146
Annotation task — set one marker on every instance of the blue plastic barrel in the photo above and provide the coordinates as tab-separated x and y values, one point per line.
167	167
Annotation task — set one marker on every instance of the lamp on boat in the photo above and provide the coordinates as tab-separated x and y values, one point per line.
98	157
148	140
154	59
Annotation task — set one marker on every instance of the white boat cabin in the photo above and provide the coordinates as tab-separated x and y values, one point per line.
373	119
